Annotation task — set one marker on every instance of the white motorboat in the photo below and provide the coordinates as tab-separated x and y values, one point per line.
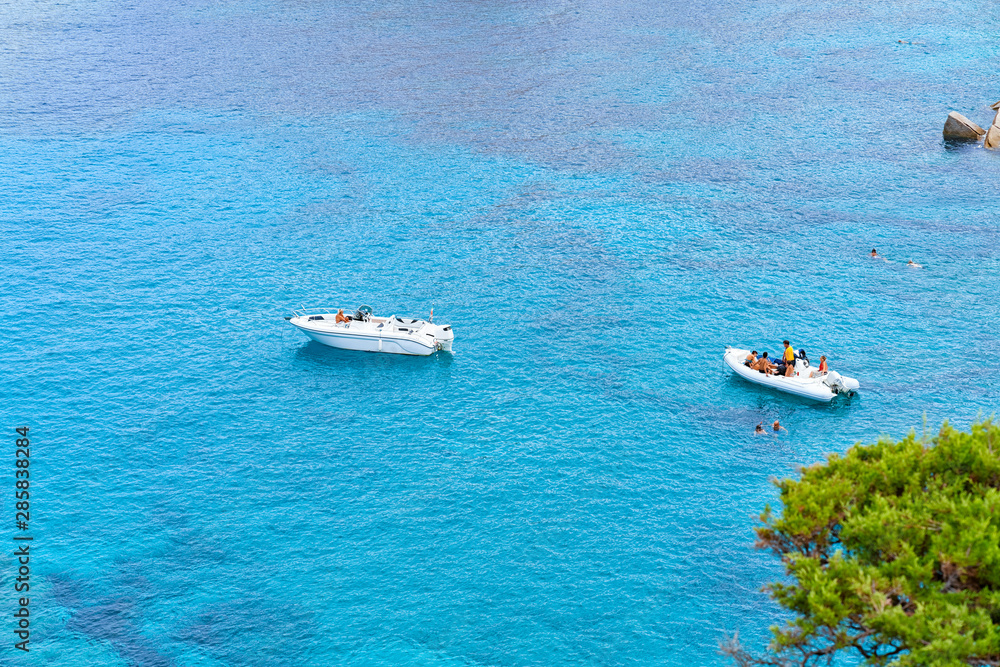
806	381
363	331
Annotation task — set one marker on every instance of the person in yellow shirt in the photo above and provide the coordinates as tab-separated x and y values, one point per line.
789	359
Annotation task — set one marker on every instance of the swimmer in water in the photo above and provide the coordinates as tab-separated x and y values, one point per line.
913	265
875	254
778	427
759	430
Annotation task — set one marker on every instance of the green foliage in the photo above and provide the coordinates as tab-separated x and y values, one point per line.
893	554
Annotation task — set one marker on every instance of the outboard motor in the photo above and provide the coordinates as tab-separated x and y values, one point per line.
443	336
840	384
833	381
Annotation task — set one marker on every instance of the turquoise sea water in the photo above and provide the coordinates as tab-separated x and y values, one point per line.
599	197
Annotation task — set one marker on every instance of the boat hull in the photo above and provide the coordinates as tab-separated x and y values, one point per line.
368	343
806	387
392	335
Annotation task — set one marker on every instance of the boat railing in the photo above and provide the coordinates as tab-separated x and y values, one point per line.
302	311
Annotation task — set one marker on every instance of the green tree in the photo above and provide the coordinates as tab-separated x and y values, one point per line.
892	553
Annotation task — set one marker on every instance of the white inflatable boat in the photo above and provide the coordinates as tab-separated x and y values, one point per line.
366	332
820	388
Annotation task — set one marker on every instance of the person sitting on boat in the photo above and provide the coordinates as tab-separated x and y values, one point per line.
823	368
751	359
788	360
764	364
341	317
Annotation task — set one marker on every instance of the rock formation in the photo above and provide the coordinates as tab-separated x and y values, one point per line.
992	137
992	140
960	128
